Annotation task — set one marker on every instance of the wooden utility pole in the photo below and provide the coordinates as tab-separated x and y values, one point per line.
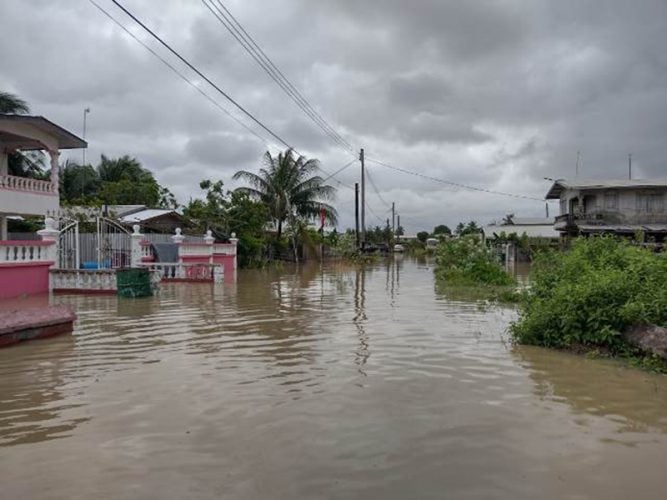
398	221
356	213
363	199
393	218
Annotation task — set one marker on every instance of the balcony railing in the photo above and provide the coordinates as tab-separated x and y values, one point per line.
26	184
20	252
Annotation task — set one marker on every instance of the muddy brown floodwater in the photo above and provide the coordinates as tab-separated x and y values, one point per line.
329	382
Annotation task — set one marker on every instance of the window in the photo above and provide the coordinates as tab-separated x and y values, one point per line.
611	201
650	202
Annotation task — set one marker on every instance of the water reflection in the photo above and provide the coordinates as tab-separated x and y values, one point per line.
33	393
635	401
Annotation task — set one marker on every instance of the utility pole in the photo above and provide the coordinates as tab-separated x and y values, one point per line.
356	212
363	199
393	218
85	112
398	221
630	166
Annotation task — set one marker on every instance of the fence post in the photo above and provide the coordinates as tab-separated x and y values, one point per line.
209	240
135	246
51	233
234	241
178	239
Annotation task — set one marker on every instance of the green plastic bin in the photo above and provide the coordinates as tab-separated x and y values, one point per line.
133	282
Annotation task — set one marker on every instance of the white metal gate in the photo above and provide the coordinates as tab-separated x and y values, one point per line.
114	247
69	256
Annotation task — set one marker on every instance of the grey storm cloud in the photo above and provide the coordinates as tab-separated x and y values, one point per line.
493	93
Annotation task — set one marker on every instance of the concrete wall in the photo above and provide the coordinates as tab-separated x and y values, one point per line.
29	278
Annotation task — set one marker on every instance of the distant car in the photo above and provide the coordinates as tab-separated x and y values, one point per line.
432	243
398	248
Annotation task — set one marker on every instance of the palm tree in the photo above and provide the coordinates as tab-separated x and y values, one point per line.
12	104
288	189
123	168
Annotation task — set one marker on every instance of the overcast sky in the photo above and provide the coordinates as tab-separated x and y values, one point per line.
494	94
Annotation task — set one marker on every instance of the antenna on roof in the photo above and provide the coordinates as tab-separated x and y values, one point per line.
629	166
577	164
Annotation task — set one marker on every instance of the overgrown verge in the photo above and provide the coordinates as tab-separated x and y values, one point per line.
586	298
466	267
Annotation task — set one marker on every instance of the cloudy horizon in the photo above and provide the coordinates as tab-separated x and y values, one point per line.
493	94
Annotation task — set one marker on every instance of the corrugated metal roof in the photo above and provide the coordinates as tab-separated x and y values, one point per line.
146	215
561	184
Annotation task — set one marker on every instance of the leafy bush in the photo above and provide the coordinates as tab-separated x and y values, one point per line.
590	294
467	261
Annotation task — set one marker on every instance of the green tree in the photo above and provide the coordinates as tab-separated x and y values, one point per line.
442	229
123	181
422	236
225	213
287	187
78	183
469	228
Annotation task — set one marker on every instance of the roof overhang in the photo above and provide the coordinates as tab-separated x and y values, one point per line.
561	185
15	133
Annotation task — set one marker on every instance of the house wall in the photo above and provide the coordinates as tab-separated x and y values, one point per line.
618	206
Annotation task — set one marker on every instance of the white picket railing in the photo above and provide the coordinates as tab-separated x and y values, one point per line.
26	251
26	184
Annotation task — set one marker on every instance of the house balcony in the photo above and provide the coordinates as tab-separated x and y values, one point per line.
26	196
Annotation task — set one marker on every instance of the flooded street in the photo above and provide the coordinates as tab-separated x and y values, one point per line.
333	382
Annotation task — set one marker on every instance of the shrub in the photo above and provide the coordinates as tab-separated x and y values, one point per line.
467	261
590	294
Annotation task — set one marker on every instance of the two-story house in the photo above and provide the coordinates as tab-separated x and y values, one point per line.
24	195
611	206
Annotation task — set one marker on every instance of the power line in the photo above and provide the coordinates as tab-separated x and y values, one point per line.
180	74
234	27
339	170
375	189
198	72
451	183
208	80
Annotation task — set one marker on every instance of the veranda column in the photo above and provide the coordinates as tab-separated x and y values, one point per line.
55	167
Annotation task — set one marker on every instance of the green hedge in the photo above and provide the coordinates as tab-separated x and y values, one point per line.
588	295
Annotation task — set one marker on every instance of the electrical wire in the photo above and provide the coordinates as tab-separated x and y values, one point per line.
180	74
212	84
208	80
375	189
451	183
236	29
